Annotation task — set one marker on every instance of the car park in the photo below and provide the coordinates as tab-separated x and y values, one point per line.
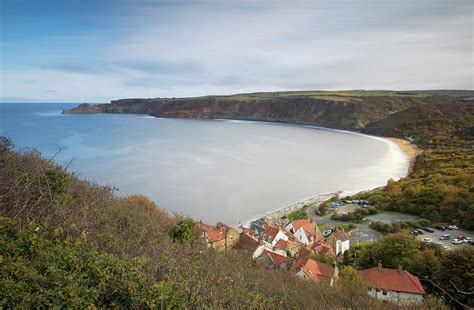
427	240
445	237
428	229
457	241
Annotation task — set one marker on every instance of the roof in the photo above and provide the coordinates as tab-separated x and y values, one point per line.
392	280
276	258
338	235
300	223
320	247
246	242
216	233
281	244
312	230
318	272
297	264
271	231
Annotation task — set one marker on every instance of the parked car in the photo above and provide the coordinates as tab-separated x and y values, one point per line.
446	247
461	238
415	233
327	233
452	227
467	240
445	237
420	232
427	240
442	228
457	241
428	229
332	228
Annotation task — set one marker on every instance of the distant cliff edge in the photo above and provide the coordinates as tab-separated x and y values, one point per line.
350	110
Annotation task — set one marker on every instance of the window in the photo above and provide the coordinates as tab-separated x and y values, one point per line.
384	292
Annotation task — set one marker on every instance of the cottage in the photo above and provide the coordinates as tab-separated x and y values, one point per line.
316	271
339	242
394	285
272	259
220	237
305	231
246	242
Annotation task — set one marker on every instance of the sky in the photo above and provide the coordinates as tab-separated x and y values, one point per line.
99	50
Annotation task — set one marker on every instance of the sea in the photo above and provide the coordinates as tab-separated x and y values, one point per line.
212	170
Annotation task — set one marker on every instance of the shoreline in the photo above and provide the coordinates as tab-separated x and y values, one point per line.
409	149
280	215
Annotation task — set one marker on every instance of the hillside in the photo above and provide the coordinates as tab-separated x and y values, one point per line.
351	110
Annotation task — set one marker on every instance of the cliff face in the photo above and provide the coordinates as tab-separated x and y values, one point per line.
354	113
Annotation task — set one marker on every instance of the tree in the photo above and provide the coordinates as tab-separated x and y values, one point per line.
456	274
185	232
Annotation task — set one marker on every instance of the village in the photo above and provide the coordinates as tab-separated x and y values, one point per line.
300	248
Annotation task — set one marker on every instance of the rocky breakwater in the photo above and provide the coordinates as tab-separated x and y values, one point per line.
280	216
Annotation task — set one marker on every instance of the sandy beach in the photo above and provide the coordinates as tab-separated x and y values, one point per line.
409	149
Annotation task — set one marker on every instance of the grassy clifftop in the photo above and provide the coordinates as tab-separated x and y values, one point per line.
352	110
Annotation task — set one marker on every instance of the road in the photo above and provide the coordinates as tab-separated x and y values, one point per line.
362	232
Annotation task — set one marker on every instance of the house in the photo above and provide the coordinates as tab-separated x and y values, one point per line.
246	242
220	237
317	272
305	231
320	247
339	242
280	235
274	260
396	285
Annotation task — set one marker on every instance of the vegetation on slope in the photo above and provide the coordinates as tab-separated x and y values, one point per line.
72	243
441	186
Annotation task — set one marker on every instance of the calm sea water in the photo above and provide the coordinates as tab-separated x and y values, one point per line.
209	169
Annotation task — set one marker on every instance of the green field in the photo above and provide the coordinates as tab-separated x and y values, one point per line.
337	95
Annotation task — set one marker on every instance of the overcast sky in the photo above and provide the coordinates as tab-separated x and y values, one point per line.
94	51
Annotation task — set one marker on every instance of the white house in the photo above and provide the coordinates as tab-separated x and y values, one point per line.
305	231
339	242
398	286
279	235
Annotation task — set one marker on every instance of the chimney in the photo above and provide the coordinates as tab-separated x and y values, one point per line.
400	268
310	220
380	266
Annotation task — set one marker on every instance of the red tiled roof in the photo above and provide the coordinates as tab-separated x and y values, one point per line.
214	233
297	265
271	231
300	223
281	244
320	247
310	228
246	242
392	280
338	235
277	258
318	272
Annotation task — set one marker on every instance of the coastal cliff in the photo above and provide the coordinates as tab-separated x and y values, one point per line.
335	111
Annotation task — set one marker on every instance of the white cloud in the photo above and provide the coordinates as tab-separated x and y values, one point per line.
228	47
